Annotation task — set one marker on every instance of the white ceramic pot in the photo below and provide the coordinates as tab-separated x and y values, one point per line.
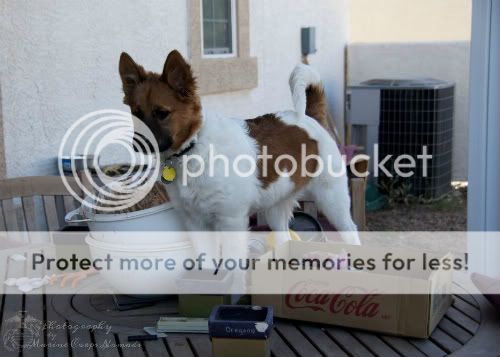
143	280
119	228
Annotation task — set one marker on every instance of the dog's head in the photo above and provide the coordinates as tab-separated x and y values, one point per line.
167	103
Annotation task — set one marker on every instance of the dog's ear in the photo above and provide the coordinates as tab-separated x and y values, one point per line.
177	74
130	73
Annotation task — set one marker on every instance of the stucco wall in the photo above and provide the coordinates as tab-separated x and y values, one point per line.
441	60
410	20
59	61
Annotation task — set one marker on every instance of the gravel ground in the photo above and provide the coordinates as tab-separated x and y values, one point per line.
417	218
447	214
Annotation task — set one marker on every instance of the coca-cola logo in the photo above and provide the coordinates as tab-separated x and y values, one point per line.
353	301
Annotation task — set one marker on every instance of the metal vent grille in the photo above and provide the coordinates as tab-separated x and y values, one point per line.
414	117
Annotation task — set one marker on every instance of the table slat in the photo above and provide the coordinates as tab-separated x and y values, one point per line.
179	346
279	348
80	342
34	307
375	344
201	344
467	298
462	320
454	330
106	343
13	303
428	347
446	342
156	348
130	349
467	309
57	336
402	346
295	339
348	342
322	342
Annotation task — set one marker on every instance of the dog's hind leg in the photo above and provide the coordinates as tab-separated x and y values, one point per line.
333	200
278	219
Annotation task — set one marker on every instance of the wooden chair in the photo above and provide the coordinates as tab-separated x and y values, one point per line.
36	203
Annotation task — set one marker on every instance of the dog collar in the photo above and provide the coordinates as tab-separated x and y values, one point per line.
186	150
168	172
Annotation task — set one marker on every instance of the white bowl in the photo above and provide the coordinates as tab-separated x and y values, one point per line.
141	281
119	227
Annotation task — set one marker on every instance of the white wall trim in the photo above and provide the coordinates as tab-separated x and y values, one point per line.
484	118
484	129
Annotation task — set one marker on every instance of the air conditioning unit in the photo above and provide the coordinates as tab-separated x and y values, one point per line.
402	116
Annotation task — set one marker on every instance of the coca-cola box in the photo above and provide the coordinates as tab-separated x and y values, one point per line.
374	294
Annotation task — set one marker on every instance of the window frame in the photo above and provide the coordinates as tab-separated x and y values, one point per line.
223	74
234	35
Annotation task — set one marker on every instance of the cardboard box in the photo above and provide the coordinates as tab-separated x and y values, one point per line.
417	301
204	288
192	305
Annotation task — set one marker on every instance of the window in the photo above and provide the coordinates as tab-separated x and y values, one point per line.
220	45
219	28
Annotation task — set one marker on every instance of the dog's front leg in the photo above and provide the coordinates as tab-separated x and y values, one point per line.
231	223
234	236
234	243
203	240
194	222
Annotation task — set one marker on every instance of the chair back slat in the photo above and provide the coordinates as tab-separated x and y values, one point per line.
49	204
14	217
36	185
35	203
40	214
70	203
14	214
2	219
60	210
34	214
9	214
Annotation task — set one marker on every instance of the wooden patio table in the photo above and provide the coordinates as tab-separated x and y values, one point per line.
90	324
80	324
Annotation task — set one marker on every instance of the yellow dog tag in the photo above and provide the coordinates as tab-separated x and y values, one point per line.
168	174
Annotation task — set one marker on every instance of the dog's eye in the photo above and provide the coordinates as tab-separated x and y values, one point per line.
161	114
138	113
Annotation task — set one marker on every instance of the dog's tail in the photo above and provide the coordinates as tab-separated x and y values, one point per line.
308	94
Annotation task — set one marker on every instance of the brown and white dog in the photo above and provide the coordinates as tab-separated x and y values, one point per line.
220	199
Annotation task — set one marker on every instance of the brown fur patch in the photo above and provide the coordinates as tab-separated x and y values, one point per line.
185	116
150	95
316	104
280	138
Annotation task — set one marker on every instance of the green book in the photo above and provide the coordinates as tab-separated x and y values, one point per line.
182	324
